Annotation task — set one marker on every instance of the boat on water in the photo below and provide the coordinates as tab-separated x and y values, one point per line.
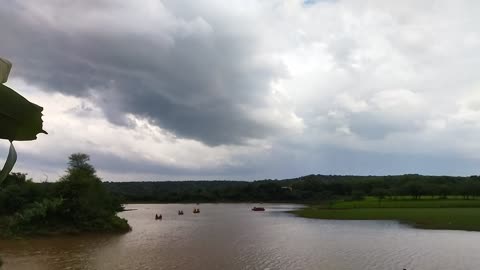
196	210
180	212
258	209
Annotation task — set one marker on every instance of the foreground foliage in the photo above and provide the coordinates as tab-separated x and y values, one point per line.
77	203
20	120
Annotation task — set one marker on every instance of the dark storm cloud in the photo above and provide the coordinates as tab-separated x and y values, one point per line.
198	78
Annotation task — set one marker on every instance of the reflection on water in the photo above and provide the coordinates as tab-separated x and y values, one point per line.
230	236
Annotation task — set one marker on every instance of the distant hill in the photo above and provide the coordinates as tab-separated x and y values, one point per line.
302	189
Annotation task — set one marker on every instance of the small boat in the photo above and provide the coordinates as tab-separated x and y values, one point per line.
258	209
158	217
180	212
196	210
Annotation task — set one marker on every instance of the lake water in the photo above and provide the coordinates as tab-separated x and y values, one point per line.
230	236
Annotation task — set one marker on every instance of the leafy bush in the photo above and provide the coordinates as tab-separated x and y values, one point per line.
78	202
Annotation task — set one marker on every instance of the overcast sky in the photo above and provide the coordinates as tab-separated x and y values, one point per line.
248	89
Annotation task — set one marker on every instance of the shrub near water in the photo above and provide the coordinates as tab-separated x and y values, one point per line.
78	202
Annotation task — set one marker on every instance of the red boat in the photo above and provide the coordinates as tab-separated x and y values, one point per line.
258	209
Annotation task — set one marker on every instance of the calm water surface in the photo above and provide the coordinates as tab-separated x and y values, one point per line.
230	236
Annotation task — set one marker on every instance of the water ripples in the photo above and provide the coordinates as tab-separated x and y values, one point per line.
230	236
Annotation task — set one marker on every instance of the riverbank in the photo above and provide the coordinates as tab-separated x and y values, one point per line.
424	214
12	228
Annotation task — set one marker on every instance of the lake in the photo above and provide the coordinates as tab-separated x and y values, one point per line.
231	236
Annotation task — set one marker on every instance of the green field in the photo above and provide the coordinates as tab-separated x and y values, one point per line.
407	202
451	214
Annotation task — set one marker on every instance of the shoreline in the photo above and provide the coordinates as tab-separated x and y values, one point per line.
464	219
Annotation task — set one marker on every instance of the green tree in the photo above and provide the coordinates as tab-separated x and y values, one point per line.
416	190
78	163
86	203
358	195
380	194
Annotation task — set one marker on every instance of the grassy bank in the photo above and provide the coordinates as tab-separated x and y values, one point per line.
452	214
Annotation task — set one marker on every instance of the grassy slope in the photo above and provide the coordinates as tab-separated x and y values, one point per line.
408	203
428	214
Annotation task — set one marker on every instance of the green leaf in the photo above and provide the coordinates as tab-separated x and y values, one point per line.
20	120
5	67
11	159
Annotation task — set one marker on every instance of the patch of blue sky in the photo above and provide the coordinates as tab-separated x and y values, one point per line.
313	2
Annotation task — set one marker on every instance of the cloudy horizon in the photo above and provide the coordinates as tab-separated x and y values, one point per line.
247	89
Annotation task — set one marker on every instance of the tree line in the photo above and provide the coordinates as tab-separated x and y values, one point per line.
310	188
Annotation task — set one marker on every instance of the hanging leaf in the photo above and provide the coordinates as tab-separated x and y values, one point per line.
20	120
5	67
11	159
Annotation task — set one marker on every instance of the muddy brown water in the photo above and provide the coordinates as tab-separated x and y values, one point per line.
231	236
